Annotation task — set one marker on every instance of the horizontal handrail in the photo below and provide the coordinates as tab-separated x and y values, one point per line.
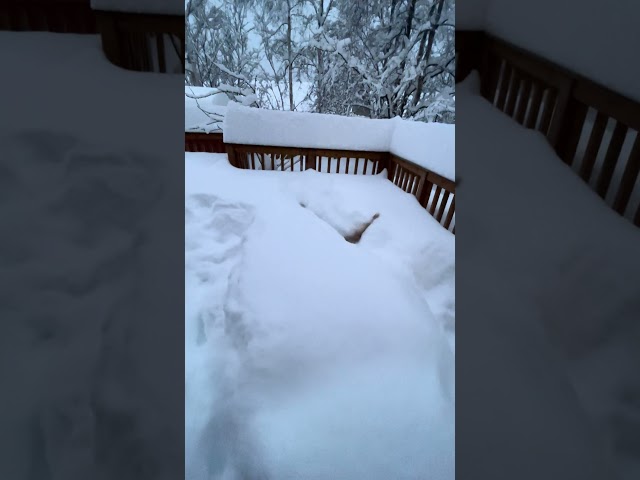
571	110
66	16
204	142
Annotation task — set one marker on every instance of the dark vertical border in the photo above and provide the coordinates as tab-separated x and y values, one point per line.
91	273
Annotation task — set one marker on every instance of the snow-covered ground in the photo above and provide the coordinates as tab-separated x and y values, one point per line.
559	310
85	203
309	356
77	68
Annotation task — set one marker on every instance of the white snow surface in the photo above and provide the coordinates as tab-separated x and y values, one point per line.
585	293
572	44
94	202
162	7
60	55
309	357
259	126
204	114
430	145
471	15
470	85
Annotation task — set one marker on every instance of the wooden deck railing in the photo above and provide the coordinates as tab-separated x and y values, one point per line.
572	111
204	142
435	193
143	42
62	16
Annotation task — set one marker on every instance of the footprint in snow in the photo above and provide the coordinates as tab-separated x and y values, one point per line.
214	233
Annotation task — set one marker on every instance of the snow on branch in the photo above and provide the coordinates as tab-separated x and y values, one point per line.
239	76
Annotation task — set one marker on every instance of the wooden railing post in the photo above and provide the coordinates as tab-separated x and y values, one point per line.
423	199
126	38
387	161
231	153
310	159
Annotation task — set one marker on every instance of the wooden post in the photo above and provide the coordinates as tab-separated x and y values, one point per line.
109	36
386	163
310	160
231	153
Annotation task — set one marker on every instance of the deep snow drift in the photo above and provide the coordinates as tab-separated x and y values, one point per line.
309	356
430	145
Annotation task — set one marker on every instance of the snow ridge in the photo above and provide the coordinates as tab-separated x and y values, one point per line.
429	145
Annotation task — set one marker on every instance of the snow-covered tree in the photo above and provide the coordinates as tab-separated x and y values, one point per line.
384	58
396	48
280	26
218	50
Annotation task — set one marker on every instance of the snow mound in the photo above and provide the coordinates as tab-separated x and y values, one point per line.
258	126
430	145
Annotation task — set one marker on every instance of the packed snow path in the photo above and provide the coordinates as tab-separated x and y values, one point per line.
308	356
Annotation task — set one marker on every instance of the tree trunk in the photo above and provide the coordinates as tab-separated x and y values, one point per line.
427	54
407	32
319	101
412	9
290	56
392	17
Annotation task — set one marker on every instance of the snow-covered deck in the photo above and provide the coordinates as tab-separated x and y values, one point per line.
319	327
418	157
92	190
141	36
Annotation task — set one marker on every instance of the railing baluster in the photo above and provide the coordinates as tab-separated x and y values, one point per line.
536	98
445	199
549	106
434	202
629	177
595	139
450	213
162	65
